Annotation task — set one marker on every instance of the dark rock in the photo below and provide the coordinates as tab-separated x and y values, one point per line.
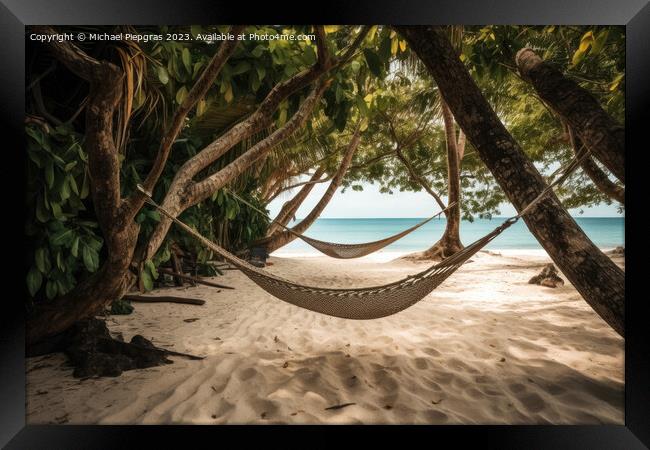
121	307
257	256
618	251
93	352
142	341
548	277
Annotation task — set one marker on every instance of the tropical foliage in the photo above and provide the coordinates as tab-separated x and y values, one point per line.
379	85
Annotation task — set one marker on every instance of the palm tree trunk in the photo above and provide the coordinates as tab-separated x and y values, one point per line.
597	129
282	238
600	282
596	174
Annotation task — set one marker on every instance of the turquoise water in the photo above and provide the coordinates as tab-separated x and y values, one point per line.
605	232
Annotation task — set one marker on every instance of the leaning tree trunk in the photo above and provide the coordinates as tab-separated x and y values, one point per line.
597	175
109	282
450	242
597	129
115	214
290	207
282	238
600	282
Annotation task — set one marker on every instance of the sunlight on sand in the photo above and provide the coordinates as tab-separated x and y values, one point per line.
485	347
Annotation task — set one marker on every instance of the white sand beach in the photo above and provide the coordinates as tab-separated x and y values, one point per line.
485	347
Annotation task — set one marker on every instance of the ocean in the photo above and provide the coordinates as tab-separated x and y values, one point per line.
605	232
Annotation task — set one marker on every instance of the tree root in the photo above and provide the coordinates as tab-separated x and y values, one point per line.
441	250
93	352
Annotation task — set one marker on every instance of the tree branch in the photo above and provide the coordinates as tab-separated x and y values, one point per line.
198	91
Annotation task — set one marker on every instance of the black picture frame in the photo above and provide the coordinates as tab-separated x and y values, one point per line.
15	14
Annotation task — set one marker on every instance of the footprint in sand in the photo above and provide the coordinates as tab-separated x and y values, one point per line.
247	374
533	402
431	351
421	363
516	388
433	416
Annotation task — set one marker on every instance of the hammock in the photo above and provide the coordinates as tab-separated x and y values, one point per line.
347	251
370	302
356	303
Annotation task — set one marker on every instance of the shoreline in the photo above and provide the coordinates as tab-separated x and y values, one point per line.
389	255
485	347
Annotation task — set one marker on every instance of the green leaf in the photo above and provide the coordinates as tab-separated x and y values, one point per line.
71	165
374	63
163	76
152	268
201	106
261	72
599	42
50	289
187	60
42	260
155	215
62	237
181	95
228	95
73	185
197	68
85	187
195	30
49	174
56	210
241	67
338	93
95	244
65	190
90	258
74	249
36	134
363	107
257	51
331	28
34	281
42	214
577	57
59	261
147	282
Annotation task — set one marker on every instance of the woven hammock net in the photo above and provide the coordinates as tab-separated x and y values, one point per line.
349	251
355	303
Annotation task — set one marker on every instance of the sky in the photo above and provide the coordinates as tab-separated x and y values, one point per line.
370	203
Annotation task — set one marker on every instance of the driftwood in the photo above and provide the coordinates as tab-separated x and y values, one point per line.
339	406
194	279
163	299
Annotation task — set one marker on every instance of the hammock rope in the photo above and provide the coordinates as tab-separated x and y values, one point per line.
368	302
339	250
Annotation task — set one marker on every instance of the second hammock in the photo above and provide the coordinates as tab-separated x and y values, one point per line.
346	251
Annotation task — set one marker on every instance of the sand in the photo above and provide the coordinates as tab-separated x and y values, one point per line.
484	348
